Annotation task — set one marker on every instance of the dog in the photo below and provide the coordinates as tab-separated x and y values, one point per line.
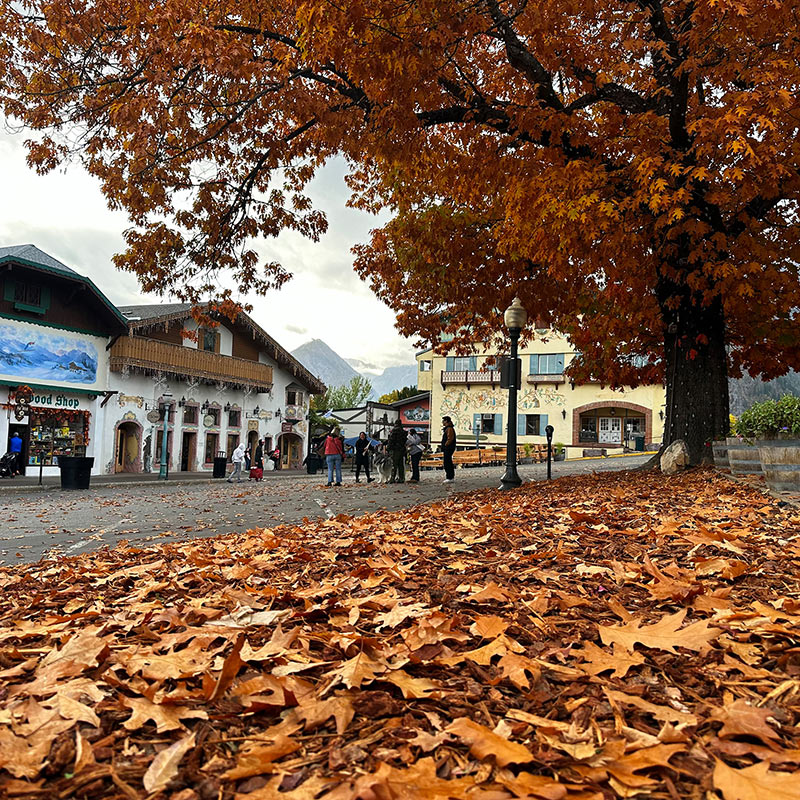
382	466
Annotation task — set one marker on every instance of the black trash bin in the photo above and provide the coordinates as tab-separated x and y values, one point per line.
76	471
638	443
313	463
220	464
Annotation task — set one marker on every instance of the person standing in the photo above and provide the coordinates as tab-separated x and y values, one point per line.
334	452
362	456
448	448
259	456
397	447
415	450
237	459
15	447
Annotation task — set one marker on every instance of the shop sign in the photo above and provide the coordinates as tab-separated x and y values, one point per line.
55	401
286	427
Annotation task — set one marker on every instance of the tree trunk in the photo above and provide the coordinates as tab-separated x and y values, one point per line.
696	372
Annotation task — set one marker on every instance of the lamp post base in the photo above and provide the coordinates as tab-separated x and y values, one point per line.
510	480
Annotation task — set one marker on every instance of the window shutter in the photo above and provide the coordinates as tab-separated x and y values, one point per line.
542	424
534	365
560	363
217	338
476	423
473	363
498	424
449	364
522	422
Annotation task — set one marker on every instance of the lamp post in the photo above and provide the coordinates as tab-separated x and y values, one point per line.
165	404
515	319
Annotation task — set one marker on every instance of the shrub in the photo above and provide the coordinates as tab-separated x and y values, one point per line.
771	419
558	448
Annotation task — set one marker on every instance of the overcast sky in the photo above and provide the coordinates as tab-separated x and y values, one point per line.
65	214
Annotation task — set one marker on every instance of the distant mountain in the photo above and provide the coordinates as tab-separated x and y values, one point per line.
746	391
334	370
325	363
394	378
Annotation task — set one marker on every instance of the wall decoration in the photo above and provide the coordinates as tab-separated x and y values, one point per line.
418	414
33	353
134	400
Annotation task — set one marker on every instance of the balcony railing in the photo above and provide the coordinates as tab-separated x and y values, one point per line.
150	355
470	377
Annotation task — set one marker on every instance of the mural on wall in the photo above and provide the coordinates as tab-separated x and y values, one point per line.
418	414
32	353
461	404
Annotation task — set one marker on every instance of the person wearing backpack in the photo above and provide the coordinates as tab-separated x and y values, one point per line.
396	445
415	450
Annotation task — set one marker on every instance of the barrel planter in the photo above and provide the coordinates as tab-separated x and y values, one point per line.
743	457
720	450
780	462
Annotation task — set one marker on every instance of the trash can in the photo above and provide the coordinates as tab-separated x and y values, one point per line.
638	442
313	463
76	471
220	464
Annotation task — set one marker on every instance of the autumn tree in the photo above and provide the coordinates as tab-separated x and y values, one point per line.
629	168
398	394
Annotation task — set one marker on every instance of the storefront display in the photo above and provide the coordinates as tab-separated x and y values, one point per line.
56	433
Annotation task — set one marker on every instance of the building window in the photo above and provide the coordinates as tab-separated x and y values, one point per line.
234	418
533	425
294	398
27	296
209	340
190	415
634	425
461	364
212	441
549	364
425	366
589	424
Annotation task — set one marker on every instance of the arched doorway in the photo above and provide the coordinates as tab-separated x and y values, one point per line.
127	457
291	446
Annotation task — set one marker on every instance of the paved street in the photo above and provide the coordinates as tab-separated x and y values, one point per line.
50	522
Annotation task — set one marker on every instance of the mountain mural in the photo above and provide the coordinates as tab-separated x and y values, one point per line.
334	370
44	356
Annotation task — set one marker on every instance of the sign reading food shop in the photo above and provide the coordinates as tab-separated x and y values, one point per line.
56	401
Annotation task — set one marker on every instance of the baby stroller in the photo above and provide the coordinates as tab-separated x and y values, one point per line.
7	465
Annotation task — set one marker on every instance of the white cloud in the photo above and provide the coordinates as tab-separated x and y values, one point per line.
66	215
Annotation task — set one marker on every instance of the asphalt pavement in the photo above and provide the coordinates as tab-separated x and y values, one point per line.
52	523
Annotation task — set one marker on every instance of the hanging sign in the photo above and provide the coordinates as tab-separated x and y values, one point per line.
286	427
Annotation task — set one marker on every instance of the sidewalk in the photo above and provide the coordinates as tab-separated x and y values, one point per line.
31	482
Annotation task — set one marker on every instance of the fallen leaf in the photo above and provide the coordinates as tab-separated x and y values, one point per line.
484	743
164	767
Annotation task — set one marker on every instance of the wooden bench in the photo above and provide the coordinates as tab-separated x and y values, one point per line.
492	455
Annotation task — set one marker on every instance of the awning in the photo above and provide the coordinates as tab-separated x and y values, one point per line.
43	387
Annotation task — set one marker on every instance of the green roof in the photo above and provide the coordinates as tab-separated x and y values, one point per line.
28	255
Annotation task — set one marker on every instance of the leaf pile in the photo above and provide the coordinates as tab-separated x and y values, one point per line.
597	637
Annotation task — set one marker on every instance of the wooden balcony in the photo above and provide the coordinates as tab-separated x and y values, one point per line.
554	379
472	377
149	355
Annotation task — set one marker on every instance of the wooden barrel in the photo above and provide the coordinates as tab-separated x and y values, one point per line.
743	458
780	462
720	450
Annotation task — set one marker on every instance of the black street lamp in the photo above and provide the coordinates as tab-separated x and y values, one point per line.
515	318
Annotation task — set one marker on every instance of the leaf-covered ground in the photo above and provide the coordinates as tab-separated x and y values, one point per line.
596	637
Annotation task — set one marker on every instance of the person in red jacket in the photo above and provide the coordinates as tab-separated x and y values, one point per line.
334	452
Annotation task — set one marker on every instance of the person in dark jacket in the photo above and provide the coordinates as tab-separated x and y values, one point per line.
448	448
259	456
415	450
362	456
396	445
